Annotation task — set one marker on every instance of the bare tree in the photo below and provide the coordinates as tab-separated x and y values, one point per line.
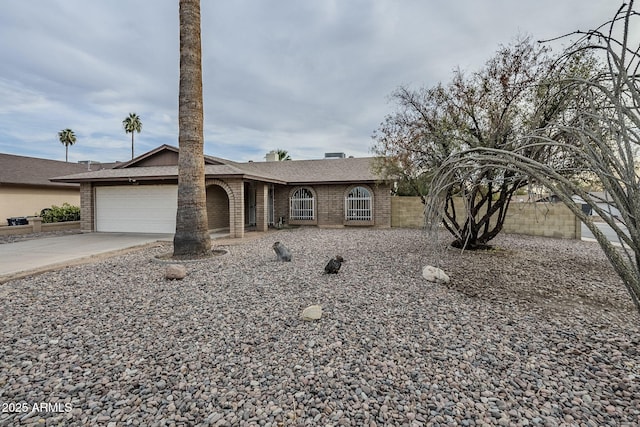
603	122
492	108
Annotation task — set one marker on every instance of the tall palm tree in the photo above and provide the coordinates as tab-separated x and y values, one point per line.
192	233
67	138
283	154
132	124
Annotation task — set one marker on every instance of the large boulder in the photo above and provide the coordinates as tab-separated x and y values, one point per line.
434	274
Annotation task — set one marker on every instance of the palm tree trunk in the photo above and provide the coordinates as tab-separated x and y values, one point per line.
66	153
192	234
131	144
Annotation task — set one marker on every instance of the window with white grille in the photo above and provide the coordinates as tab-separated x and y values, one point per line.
357	205
302	205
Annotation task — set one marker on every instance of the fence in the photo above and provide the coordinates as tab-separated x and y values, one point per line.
534	219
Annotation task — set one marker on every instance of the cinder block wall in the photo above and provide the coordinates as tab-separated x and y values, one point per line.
534	219
407	212
542	219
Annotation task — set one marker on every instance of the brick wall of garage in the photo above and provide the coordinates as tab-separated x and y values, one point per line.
87	207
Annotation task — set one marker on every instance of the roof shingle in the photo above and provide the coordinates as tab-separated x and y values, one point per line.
294	172
22	170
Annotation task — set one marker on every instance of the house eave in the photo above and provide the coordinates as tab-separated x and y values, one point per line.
61	185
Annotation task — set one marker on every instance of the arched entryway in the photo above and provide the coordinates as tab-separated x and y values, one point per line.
220	207
217	208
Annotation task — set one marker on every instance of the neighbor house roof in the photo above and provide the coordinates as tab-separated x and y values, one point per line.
296	172
32	171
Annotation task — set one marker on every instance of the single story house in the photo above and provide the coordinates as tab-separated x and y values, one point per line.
141	195
25	188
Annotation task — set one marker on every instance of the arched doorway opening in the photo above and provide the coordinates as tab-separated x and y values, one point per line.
218	208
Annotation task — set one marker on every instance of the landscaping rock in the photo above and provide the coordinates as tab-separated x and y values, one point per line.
175	272
334	264
434	274
313	312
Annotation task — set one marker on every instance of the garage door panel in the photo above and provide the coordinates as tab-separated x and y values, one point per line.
137	209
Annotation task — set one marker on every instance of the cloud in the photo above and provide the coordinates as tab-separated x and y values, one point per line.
306	76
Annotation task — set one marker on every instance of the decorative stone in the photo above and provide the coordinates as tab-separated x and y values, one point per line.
283	253
434	274
334	265
313	312
175	272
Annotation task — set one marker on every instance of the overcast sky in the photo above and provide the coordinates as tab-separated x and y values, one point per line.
308	77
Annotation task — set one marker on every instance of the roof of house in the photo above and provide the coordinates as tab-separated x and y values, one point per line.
298	172
314	171
32	171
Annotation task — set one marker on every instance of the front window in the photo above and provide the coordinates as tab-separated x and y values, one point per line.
358	205
302	205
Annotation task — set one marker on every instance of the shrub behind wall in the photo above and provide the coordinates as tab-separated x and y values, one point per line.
63	213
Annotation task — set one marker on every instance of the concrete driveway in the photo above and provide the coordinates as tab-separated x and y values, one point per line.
606	229
21	259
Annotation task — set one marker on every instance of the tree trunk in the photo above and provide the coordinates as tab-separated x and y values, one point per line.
131	145
192	234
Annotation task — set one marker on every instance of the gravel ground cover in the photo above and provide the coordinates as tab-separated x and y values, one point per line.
537	332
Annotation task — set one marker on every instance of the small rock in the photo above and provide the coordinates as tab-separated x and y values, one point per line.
434	274
175	272
334	265
283	253
313	312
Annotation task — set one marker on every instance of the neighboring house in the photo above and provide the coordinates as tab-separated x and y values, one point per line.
25	188
141	195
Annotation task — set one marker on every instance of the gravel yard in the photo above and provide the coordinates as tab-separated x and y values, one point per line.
537	332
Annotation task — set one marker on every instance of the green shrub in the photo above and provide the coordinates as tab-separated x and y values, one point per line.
63	213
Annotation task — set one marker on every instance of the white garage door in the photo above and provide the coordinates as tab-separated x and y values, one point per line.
137	208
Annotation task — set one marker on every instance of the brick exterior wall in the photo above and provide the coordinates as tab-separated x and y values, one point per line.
236	211
281	203
329	204
225	205
217	207
262	205
534	219
87	207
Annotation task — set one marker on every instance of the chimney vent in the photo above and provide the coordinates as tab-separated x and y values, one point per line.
272	156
